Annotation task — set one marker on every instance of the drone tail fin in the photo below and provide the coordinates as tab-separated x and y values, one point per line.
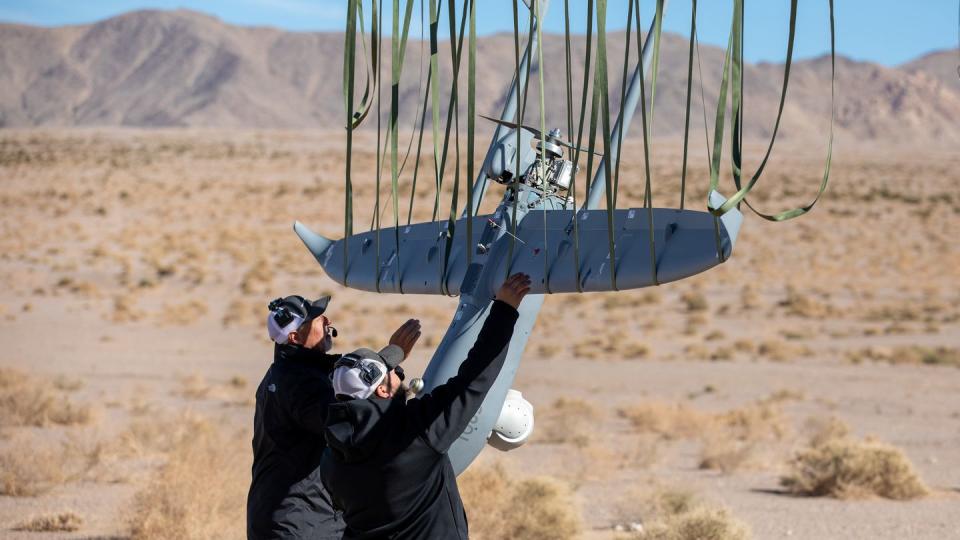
316	243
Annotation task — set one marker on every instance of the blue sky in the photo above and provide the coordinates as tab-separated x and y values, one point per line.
884	31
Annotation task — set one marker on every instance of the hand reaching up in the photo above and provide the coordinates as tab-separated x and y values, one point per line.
514	289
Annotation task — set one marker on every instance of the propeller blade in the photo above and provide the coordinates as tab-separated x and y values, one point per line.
537	133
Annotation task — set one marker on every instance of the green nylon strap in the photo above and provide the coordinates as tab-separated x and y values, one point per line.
658	31
398	49
543	129
566	56
372	61
471	120
349	61
416	162
435	103
736	34
648	187
515	185
623	97
576	154
376	30
600	89
686	115
453	118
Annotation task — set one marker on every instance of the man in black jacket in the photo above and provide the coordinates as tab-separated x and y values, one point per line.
387	466
287	498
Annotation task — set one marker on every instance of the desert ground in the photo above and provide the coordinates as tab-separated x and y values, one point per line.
807	388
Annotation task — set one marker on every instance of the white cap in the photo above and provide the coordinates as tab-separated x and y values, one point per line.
281	333
359	381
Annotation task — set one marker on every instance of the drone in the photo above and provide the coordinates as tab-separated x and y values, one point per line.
535	229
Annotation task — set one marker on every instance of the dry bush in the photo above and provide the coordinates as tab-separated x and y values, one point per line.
32	401
845	468
531	508
183	313
159	435
124	309
779	351
670	421
730	441
199	493
726	454
677	514
694	301
701	523
568	420
61	522
800	305
749	297
911	354
29	468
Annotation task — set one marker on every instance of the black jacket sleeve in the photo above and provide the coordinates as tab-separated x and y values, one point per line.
312	395
443	414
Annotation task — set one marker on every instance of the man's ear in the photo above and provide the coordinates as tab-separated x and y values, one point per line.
293	338
382	391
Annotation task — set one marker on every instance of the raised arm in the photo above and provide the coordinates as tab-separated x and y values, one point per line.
444	413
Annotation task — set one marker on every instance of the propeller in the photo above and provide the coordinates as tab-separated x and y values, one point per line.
538	134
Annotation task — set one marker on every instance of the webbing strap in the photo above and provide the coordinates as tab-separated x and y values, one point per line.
623	98
349	60
515	185
543	129
576	154
736	40
398	47
600	89
471	114
435	103
372	62
686	115
648	187
453	111
375	31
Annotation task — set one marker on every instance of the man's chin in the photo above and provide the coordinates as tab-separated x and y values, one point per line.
324	345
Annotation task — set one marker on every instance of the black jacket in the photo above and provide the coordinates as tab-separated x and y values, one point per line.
387	466
286	498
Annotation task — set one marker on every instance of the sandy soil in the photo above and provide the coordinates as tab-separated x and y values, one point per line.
138	265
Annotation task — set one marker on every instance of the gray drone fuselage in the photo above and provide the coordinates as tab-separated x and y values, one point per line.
530	231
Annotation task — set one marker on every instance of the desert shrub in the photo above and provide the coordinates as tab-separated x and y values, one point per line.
803	305
845	468
670	421
199	493
28	468
698	524
779	351
694	301
183	313
61	522
530	508
568	420
725	454
910	354
33	401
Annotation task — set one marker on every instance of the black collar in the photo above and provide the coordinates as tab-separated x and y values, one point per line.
298	354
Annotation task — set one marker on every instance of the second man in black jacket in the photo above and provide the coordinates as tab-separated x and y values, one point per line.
386	467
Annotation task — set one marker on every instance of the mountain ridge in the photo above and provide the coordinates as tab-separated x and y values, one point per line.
182	68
